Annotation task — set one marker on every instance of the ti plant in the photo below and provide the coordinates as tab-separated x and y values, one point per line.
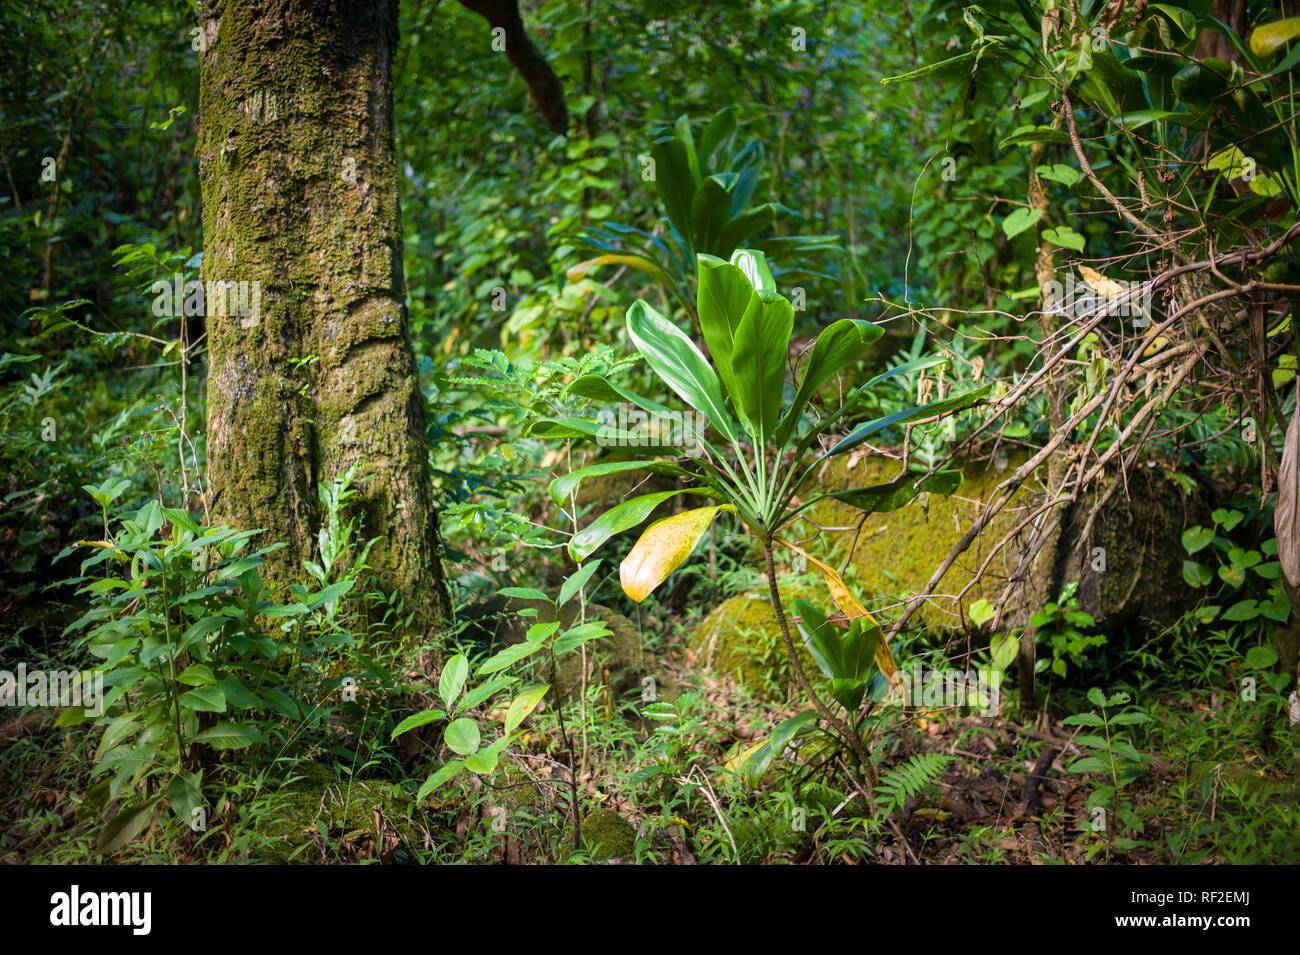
847	658
707	189
762	450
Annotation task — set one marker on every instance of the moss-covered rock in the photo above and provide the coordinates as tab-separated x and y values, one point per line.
1139	530
896	552
742	639
317	804
607	835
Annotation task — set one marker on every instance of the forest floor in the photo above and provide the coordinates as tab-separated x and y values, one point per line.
1218	785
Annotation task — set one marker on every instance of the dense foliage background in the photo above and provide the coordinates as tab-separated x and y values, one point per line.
1129	146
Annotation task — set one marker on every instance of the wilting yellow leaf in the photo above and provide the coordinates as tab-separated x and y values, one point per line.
663	548
850	607
638	262
1107	287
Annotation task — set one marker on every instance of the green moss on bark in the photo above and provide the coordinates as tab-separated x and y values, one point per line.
299	179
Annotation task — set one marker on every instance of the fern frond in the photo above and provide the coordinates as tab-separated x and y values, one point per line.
909	779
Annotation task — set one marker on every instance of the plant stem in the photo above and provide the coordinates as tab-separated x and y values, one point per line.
840	726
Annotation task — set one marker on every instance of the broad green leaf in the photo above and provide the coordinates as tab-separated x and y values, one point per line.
1197	538
981	612
1087	764
540	631
665	546
201	628
1005	651
845	657
813	625
564	428
676	179
485	760
1020	220
750	223
229	736
444	775
197	674
838	346
523	593
575	637
753	264
722	299
1083	719
933	409
185	796
1242	610
718	137
710	209
504	658
416	720
522	705
485	690
617	519
1059	172
787	730
963	65
1025	135
238	695
680	364
1129	719
1065	237
1261	658
1196	574
569	589
126	825
452	680
121	728
758	363
205	699
563	485
881	498
599	388
462	736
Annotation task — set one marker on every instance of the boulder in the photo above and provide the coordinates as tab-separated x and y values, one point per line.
1133	583
1135	579
607	835
742	639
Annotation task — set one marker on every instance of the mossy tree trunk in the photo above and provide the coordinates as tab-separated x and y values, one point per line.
299	182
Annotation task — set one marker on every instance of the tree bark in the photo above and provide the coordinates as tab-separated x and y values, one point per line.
299	184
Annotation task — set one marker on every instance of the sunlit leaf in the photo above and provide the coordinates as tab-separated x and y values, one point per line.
665	546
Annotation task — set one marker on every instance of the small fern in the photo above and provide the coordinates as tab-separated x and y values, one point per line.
909	779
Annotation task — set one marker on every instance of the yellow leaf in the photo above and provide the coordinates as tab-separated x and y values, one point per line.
663	548
1156	346
1107	287
1269	38
851	608
735	763
638	262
